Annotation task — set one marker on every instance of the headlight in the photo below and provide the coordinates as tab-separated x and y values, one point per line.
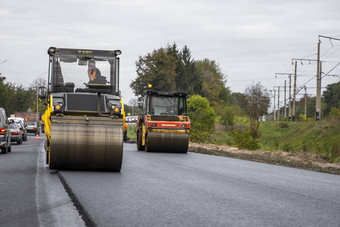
116	110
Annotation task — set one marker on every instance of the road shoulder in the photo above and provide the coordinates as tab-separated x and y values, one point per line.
302	160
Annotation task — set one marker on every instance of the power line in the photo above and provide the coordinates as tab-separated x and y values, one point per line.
251	79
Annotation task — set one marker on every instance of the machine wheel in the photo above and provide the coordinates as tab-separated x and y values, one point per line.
19	141
4	150
47	151
139	142
146	144
167	142
125	138
96	147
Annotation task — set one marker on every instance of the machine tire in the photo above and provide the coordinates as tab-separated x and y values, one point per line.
4	150
139	142
47	151
125	138
146	144
19	141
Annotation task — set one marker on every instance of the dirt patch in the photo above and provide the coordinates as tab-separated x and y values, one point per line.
302	160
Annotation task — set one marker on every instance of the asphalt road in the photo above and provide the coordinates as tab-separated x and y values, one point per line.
31	195
161	189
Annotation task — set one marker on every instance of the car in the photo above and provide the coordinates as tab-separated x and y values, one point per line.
32	127
16	134
5	133
23	130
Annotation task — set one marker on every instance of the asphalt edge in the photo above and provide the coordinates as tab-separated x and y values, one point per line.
265	159
83	213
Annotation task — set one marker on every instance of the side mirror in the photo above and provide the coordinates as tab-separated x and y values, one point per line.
42	93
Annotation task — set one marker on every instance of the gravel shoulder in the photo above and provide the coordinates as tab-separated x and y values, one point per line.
302	160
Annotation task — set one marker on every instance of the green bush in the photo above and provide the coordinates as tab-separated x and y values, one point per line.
202	117
244	140
335	153
283	124
227	117
303	118
286	147
335	113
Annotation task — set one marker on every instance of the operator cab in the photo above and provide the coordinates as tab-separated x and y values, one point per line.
70	70
165	103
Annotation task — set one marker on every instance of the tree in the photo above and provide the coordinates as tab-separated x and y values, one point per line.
16	98
23	99
202	117
213	87
32	97
228	115
256	103
300	106
171	69
332	97
157	68
7	91
187	77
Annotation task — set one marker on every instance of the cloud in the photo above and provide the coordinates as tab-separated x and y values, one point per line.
250	40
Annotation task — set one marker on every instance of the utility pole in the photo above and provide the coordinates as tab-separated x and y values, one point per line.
278	103
290	97
305	101
37	106
295	71
285	105
318	78
290	93
274	106
318	85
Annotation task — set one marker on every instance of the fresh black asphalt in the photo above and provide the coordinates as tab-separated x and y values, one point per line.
166	189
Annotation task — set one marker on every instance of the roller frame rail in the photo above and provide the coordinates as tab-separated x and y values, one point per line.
83	126
166	131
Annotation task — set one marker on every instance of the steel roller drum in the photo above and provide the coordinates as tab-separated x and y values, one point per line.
167	142
86	147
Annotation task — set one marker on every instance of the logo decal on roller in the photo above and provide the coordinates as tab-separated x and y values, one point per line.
169	125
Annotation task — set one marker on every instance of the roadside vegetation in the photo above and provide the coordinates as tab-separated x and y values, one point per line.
321	137
17	98
219	116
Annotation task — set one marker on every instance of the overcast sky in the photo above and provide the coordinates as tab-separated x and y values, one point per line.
251	40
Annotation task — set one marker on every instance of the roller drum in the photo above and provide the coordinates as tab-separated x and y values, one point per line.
86	147
167	142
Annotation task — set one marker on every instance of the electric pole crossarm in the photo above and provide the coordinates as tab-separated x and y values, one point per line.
303	59
327	37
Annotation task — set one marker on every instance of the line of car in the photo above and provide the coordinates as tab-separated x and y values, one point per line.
131	119
14	130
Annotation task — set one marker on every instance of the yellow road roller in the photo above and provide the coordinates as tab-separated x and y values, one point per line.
85	112
164	125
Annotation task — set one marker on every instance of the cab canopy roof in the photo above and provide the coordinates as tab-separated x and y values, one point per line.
83	53
169	94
